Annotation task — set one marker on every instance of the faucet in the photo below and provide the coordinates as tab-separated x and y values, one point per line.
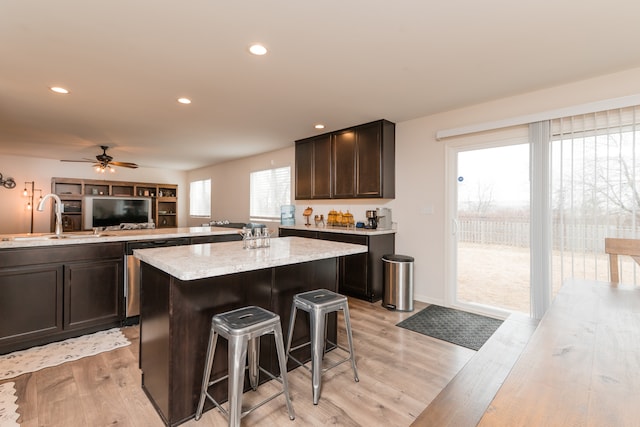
58	211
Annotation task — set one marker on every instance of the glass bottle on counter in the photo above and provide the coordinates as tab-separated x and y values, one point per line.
266	238
246	238
257	240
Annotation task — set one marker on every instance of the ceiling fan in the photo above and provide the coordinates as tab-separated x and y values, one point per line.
105	162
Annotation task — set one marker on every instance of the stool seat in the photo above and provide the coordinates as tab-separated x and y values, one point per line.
247	320
243	328
318	303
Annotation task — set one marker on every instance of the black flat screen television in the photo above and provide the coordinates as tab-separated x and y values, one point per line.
105	211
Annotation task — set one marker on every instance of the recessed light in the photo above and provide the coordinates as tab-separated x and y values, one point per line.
184	100
257	49
58	89
319	126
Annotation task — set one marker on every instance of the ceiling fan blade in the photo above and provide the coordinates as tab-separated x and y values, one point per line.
82	161
124	164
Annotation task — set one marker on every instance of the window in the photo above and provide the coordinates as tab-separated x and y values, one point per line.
200	198
269	190
596	191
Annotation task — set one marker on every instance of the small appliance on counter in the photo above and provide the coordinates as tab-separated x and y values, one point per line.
383	217
372	220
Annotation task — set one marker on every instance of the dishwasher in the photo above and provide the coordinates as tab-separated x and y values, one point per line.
132	272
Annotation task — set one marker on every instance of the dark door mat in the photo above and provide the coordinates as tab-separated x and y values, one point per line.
458	327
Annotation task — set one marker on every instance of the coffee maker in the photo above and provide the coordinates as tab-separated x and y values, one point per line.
372	219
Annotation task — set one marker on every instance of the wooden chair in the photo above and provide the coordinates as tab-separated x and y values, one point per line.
615	247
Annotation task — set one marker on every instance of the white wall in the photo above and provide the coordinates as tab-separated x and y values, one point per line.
15	218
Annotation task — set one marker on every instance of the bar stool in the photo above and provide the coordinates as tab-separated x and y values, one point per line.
243	328
318	304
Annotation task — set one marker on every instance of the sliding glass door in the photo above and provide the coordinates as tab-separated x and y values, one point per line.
491	227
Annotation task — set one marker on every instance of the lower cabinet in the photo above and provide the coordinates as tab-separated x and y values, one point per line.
54	293
93	293
360	275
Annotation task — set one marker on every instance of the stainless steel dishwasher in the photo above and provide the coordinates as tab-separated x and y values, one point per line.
132	273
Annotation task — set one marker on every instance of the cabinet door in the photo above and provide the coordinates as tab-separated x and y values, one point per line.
354	274
304	156
368	160
30	303
321	178
93	293
344	160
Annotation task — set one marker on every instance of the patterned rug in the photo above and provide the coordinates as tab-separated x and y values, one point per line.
36	358
458	327
8	408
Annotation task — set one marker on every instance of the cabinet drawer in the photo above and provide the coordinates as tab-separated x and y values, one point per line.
344	238
286	232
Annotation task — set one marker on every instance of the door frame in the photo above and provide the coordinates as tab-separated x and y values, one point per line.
500	138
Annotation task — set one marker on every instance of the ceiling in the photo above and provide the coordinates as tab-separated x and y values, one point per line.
335	62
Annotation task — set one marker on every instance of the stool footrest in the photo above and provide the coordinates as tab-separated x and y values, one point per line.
257	405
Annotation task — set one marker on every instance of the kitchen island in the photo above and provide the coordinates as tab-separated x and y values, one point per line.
184	286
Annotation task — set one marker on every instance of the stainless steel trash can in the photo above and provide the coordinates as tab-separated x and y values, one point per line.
398	282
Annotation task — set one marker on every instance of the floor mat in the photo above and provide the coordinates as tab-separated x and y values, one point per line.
36	358
458	327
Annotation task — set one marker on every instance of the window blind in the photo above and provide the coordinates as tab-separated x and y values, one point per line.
595	190
200	198
269	190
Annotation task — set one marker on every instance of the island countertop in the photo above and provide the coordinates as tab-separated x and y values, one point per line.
210	260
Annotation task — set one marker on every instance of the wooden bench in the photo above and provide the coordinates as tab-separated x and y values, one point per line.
466	398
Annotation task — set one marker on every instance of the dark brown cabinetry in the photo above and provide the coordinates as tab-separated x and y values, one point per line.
215	238
93	293
360	275
52	293
357	162
313	168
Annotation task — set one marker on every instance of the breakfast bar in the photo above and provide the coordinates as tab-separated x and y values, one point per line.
184	286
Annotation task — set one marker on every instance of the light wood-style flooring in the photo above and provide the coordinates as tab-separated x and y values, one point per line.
400	372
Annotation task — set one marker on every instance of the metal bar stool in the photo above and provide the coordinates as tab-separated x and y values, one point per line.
318	304
243	328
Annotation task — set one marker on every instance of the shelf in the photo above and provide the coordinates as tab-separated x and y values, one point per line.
72	192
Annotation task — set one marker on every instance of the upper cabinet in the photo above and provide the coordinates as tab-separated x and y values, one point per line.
313	168
357	162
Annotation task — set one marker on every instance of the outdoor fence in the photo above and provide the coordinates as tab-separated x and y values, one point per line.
516	233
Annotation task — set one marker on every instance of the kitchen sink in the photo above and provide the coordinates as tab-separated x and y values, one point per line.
54	237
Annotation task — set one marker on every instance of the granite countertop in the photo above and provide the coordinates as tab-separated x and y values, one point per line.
343	230
45	239
217	259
